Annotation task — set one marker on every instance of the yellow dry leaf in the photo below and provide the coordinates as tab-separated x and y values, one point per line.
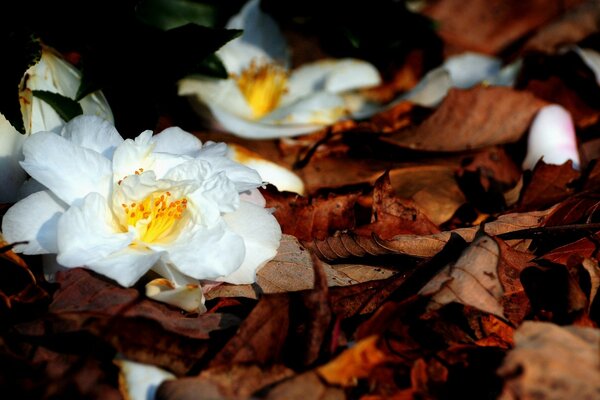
354	363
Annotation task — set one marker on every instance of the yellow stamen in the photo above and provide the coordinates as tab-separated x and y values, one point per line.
262	86
159	215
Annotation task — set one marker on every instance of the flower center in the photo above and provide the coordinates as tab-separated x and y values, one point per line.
155	217
262	86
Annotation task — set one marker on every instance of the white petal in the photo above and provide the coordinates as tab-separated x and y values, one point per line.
140	381
222	93
127	266
12	175
68	170
281	177
131	155
321	108
431	90
261	233
552	136
88	233
469	69
332	76
253	196
175	289
52	73
34	219
257	130
175	140
93	133
206	253
262	39
243	177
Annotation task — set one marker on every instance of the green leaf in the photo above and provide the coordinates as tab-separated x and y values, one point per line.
87	86
66	108
169	14
212	66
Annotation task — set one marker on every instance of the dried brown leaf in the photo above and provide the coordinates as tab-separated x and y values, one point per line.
393	215
344	245
472	118
305	386
238	381
481	278
489	26
552	362
574	26
433	188
308	218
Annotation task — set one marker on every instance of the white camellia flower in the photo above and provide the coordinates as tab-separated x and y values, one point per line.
264	99
53	74
123	207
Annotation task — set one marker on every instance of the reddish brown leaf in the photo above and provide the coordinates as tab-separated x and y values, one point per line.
489	26
261	337
550	361
470	119
311	218
549	185
392	215
583	247
574	26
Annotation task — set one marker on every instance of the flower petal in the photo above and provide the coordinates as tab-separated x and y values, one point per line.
261	233
322	108
12	175
281	177
88	233
126	266
468	69
93	133
175	289
262	40
552	136
68	170
222	93
333	76
34	219
175	140
52	73
259	130
140	381
591	58
206	253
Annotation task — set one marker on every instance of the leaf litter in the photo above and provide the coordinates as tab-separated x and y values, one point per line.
422	262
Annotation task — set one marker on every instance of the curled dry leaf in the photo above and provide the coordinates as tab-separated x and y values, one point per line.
473	118
489	26
483	277
552	362
343	245
572	27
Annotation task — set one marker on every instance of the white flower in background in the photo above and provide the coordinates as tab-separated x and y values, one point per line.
264	99
122	207
139	381
552	138
53	74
